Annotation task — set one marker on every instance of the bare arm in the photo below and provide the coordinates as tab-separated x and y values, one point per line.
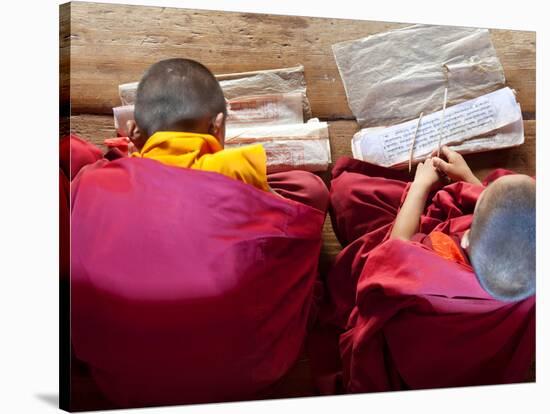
408	219
455	167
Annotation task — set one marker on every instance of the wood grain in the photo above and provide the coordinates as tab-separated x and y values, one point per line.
64	68
114	44
95	128
104	45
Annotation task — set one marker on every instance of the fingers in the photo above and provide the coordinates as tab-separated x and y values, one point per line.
431	162
449	153
445	151
427	163
441	165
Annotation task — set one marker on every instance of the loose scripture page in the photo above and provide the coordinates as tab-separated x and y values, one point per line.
391	77
238	85
310	155
293	146
488	113
247	111
290	154
313	129
266	82
273	109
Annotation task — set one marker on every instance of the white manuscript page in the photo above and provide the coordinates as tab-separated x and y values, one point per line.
480	116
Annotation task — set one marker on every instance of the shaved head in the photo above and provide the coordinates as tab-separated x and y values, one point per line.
502	238
177	95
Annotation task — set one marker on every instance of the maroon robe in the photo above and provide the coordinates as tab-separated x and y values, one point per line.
401	316
75	153
188	286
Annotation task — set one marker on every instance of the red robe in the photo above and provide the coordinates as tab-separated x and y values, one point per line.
187	286
64	226
402	316
75	153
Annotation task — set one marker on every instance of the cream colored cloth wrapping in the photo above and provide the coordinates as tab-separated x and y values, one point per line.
392	77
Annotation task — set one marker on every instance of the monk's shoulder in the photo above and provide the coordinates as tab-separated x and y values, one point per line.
247	164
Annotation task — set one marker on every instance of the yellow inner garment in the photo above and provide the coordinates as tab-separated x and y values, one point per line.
204	152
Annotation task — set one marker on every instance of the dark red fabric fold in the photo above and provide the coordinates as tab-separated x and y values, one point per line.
64	226
75	153
422	321
405	317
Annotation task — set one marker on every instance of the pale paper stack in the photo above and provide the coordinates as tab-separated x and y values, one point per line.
267	107
488	122
392	77
288	146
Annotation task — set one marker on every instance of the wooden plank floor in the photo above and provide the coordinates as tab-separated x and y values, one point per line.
106	45
113	44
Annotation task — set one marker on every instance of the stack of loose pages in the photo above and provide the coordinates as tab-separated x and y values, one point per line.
268	107
391	78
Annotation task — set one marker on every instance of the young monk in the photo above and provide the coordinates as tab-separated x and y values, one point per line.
190	281
500	244
432	288
180	114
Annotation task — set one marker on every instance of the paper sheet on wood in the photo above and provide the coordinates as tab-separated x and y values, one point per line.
267	107
292	146
393	76
488	122
275	81
238	85
259	110
273	109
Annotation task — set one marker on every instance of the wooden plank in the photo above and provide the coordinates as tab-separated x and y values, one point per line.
95	128
330	248
113	44
64	68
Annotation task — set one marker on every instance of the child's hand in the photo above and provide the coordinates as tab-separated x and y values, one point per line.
426	176
408	217
455	167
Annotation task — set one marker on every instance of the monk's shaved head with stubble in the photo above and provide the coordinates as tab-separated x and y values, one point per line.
502	238
177	95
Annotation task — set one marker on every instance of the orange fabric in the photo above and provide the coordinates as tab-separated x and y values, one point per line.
446	247
204	152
